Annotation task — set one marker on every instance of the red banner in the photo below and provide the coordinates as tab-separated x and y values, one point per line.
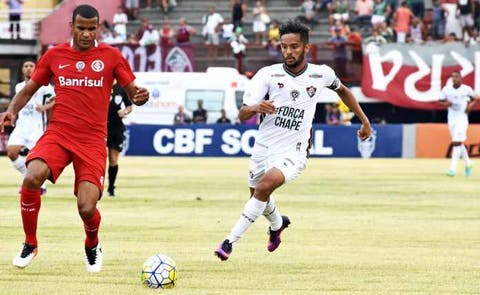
412	76
155	58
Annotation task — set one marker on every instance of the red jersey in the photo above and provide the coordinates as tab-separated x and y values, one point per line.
83	84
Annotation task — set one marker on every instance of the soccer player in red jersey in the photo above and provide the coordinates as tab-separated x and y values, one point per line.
83	73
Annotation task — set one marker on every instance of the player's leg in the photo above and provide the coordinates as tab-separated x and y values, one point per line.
254	207
18	161
461	137
115	146
87	197
456	154
30	201
89	174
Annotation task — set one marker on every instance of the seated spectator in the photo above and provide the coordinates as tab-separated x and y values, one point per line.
149	37
120	20
452	37
332	114
339	10
364	11
273	46
416	30
223	119
380	12
143	27
375	38
386	31
166	34
132	39
184	31
181	118
200	114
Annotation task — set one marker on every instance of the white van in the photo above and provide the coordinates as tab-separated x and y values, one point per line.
219	88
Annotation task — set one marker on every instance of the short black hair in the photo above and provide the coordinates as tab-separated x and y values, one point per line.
295	27
29	59
86	11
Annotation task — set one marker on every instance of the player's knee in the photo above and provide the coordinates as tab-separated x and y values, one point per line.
86	210
263	191
32	181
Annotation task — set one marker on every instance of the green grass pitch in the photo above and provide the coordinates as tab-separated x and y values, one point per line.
378	226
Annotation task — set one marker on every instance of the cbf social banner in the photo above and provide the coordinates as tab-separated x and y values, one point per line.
412	76
220	140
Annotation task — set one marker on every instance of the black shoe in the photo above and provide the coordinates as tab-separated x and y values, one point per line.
224	250
274	240
111	191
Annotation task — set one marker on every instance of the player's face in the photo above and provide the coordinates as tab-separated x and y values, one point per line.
456	78
27	69
84	31
293	50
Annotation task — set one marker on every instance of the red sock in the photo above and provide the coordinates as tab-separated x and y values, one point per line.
30	206
91	227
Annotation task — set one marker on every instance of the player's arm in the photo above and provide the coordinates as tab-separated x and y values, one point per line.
43	108
347	97
138	95
125	111
474	99
265	107
18	102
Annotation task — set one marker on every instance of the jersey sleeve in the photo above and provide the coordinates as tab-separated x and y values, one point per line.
43	73
123	72
443	95
470	93
257	88
331	80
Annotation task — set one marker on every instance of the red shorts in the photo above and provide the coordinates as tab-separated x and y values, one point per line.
89	158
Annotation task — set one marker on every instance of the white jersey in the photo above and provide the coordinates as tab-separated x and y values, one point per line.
295	98
28	117
459	98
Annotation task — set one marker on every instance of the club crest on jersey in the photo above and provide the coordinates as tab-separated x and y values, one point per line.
97	65
311	91
294	94
80	66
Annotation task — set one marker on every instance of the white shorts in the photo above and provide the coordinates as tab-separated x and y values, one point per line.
290	164
24	137
458	130
377	19
259	26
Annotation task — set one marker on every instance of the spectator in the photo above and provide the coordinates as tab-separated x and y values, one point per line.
376	38
274	39
223	119
364	10
355	41
120	20
339	42
239	48
260	21
184	31
338	10
227	34
439	15
308	12
332	114
149	37
181	118
386	32
143	27
132	39
166	34
452	37
418	7
212	22
380	12
14	17
416	29
401	19
465	9
200	114
452	23
132	8
238	13
346	115
340	26
113	38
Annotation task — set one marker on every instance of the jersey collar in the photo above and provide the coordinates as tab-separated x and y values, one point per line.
297	74
95	44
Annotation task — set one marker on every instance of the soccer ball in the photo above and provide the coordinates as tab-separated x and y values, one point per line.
159	271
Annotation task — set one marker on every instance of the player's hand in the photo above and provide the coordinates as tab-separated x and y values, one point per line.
265	107
141	96
364	131
6	119
39	108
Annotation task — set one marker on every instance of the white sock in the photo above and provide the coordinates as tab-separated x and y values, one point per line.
464	155
271	214
253	208
19	164
456	153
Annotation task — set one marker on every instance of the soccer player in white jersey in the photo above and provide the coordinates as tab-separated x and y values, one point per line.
285	95
31	121
460	99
